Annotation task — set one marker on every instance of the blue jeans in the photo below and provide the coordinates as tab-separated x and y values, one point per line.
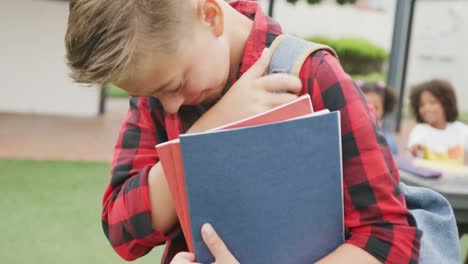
434	216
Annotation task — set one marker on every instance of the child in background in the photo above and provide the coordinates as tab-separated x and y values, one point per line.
383	99
438	136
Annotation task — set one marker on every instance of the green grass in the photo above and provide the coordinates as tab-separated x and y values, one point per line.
114	91
51	213
464	247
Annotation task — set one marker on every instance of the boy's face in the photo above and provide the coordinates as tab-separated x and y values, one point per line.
197	72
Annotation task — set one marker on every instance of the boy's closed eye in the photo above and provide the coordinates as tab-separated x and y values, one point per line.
176	90
157	92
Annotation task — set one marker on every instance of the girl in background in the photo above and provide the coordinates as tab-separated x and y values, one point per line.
383	99
438	135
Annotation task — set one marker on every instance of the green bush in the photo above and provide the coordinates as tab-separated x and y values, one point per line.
463	117
371	77
357	55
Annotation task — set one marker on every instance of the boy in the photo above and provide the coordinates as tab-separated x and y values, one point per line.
198	64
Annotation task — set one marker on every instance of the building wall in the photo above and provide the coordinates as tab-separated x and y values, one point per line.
373	21
33	73
438	45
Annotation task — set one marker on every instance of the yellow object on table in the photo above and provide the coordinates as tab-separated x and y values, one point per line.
443	167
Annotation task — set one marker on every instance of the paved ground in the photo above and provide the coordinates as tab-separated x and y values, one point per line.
61	137
72	138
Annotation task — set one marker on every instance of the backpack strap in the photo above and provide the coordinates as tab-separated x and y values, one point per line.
289	53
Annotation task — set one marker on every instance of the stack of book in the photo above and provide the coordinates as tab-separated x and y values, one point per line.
270	185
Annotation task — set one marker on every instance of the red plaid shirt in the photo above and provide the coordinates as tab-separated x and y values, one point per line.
376	217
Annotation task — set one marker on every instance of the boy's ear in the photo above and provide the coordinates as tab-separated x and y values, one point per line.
211	13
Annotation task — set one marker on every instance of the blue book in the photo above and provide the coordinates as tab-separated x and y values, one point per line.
272	192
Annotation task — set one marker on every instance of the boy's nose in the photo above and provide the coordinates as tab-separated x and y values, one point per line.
172	104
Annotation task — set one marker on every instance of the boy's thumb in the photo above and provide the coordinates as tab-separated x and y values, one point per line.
259	68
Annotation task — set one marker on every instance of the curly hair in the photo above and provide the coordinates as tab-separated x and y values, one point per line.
443	91
387	94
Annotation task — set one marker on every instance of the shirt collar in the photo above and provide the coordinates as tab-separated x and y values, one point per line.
257	41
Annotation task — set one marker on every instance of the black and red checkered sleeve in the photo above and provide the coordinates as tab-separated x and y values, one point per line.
126	214
376	217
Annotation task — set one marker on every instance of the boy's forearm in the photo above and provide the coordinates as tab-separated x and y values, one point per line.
163	212
209	120
348	253
163	215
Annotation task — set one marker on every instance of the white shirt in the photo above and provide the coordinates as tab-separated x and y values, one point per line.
441	144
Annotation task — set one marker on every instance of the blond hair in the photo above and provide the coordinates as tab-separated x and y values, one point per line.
105	38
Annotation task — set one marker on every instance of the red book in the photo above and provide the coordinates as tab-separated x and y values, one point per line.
171	157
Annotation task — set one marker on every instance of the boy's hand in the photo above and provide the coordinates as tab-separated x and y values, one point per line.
215	245
252	94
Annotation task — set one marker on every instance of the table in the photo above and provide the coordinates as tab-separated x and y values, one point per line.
453	186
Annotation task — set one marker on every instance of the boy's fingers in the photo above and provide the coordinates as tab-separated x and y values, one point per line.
214	243
280	82
183	258
277	99
187	256
260	66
